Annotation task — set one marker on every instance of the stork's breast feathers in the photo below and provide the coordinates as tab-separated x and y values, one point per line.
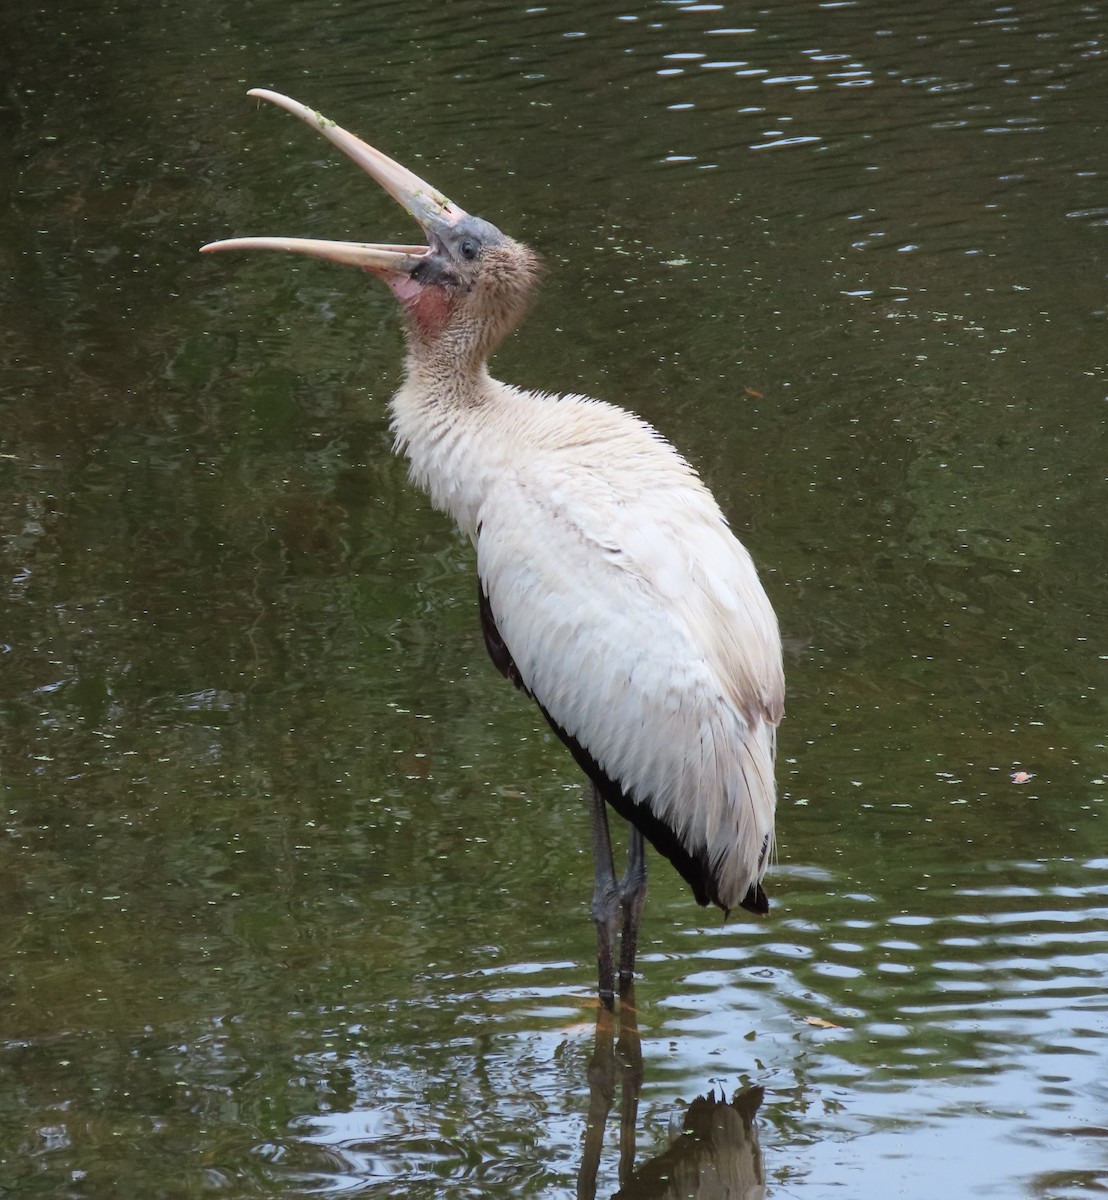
644	632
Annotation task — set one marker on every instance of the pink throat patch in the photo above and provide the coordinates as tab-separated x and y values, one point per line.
426	303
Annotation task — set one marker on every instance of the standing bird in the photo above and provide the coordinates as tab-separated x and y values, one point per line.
612	591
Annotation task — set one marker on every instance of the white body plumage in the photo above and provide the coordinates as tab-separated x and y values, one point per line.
634	616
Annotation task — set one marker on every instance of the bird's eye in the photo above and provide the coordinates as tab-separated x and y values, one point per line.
469	249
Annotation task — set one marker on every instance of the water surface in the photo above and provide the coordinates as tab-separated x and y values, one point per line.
295	888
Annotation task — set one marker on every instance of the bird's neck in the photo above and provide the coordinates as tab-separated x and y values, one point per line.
451	362
444	418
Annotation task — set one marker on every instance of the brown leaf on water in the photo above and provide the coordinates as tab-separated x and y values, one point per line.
820	1023
753	393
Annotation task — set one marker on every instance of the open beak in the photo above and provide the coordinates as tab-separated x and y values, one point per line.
430	207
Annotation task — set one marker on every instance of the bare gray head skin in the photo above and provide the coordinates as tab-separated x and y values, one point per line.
466	239
463	292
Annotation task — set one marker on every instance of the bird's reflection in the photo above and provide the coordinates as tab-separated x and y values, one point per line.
716	1156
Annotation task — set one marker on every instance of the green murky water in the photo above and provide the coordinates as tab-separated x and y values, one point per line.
294	886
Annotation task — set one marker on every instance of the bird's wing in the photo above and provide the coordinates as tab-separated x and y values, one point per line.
651	642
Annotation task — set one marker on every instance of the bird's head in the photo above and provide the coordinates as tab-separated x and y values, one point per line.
467	286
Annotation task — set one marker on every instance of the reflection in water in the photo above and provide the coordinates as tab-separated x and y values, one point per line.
716	1156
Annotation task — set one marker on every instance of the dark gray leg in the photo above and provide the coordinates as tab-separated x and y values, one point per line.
632	895
605	897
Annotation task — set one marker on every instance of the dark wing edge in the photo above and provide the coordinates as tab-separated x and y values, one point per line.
499	653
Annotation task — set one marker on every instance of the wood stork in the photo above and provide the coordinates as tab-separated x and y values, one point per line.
611	590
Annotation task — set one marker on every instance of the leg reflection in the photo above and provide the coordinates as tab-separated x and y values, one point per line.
717	1153
602	1089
